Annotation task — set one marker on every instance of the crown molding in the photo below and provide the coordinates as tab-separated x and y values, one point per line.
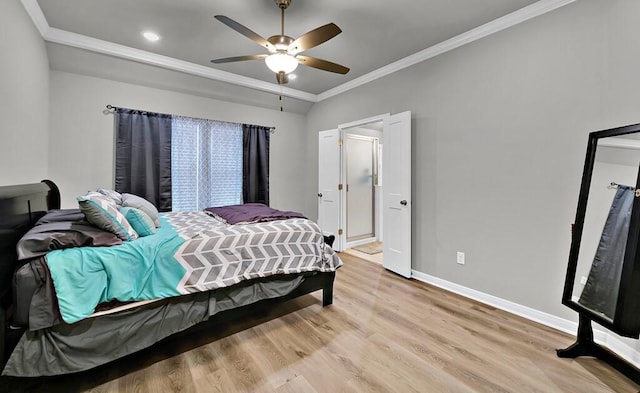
514	18
621	143
35	12
92	44
68	38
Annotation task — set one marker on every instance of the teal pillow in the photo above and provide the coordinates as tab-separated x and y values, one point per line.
139	220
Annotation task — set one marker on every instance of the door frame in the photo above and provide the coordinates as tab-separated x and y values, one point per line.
342	128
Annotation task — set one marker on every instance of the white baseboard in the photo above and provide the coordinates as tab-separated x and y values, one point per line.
360	242
605	338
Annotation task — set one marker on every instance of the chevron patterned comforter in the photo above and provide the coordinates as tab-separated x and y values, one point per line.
191	252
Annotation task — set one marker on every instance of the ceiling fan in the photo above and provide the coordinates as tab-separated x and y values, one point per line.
284	51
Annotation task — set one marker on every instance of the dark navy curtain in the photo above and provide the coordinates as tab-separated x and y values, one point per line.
143	155
600	293
255	164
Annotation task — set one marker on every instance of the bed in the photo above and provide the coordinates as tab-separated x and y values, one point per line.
60	330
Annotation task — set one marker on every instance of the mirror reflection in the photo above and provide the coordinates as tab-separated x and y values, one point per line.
606	223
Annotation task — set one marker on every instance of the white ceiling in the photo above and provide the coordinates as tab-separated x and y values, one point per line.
375	33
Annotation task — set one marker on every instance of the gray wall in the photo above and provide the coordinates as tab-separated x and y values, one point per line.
81	149
499	137
24	98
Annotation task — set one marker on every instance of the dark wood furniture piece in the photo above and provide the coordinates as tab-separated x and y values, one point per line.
22	205
625	321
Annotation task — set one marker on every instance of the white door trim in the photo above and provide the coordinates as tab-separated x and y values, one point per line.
362	122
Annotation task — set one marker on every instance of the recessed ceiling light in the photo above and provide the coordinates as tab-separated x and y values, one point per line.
292	77
151	36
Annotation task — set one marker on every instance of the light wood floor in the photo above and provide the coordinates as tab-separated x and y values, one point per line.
382	334
377	258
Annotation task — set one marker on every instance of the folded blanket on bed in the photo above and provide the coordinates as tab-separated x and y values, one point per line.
250	213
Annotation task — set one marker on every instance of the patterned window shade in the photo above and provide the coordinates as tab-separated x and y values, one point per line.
206	163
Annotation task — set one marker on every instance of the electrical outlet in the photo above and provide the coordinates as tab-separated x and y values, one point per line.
460	258
583	280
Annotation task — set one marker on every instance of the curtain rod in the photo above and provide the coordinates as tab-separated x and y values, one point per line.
615	185
272	130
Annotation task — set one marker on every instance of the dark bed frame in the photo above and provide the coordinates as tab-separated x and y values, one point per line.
22	205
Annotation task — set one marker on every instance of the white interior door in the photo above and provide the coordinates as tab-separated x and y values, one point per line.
396	174
329	167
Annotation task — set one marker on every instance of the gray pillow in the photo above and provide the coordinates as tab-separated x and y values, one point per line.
130	200
63	234
113	195
102	212
58	215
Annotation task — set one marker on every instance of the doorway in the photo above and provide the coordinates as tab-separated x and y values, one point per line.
362	186
385	212
363	191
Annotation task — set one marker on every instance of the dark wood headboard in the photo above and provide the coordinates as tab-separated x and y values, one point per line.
20	207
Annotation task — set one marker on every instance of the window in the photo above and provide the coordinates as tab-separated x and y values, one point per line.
206	163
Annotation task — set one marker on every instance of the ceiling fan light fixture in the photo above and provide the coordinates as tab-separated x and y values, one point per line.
281	62
284	51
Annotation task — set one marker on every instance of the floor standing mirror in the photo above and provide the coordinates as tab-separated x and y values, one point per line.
603	274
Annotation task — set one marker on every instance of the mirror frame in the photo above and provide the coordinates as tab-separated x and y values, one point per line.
626	320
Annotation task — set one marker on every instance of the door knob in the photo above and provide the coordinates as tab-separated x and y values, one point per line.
403	202
319	195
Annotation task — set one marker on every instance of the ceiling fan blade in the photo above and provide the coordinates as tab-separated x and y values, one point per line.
322	64
245	31
314	38
238	58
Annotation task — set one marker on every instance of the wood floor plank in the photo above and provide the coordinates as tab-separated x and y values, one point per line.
383	333
217	381
296	385
267	357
